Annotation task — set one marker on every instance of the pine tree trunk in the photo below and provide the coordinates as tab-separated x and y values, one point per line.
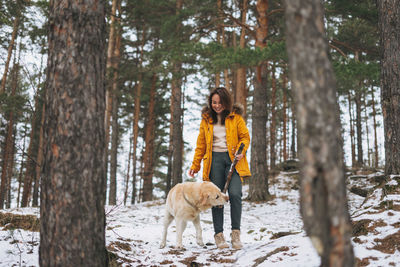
389	26
241	88
136	116
258	187
128	172
272	129
284	109
352	139
38	168
227	82
72	213
376	152
8	156
112	69
176	101
323	190
293	145
148	155
10	172
367	128
9	53
21	170
360	158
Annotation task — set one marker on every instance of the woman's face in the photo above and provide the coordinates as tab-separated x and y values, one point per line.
216	104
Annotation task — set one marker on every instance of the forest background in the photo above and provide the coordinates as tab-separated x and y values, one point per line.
163	57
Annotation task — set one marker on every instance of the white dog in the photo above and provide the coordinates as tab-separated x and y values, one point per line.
185	201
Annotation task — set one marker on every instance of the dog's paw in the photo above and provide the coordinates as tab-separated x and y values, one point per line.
162	245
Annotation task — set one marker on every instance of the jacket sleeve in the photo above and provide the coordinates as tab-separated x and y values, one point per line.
200	148
243	134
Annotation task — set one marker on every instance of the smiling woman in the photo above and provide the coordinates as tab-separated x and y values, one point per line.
222	131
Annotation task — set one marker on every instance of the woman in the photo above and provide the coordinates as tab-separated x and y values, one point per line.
222	130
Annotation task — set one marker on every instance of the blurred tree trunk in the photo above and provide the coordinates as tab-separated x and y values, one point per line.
219	40
128	172
352	139
284	109
323	190
112	69
8	156
176	102
115	126
9	53
389	26
72	213
21	170
241	87
258	187
136	115
109	81
376	152
38	167
366	128
149	138
272	129
293	145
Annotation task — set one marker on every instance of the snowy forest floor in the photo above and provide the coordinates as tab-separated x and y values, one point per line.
272	232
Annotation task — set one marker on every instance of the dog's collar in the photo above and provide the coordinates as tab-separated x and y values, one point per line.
187	200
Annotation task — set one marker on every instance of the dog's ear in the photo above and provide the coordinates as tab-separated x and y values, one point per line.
204	199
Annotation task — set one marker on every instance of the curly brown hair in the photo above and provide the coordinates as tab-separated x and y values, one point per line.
226	102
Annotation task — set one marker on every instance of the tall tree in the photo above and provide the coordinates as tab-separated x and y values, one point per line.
8	156
389	27
148	155
11	46
72	190
323	190
114	111
176	105
241	90
258	189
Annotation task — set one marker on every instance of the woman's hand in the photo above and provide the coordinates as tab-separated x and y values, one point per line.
192	173
239	156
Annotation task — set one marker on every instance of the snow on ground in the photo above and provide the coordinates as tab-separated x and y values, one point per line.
271	232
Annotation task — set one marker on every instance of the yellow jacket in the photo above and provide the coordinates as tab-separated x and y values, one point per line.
236	133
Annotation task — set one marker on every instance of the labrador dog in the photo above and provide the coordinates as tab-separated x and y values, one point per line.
184	203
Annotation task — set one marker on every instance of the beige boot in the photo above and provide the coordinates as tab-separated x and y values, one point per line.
220	241
236	244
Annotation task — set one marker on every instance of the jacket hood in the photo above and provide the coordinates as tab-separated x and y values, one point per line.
237	108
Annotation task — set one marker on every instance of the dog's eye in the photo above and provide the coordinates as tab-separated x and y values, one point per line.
217	196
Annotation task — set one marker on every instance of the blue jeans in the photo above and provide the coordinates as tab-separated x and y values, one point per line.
220	166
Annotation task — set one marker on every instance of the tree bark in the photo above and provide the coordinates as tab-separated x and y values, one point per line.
9	53
389	27
148	155
38	167
284	109
136	116
241	88
360	158
8	156
323	191
176	102
272	129
72	213
376	152
258	186
352	139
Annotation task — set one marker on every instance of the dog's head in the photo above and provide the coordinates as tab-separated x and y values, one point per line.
211	195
